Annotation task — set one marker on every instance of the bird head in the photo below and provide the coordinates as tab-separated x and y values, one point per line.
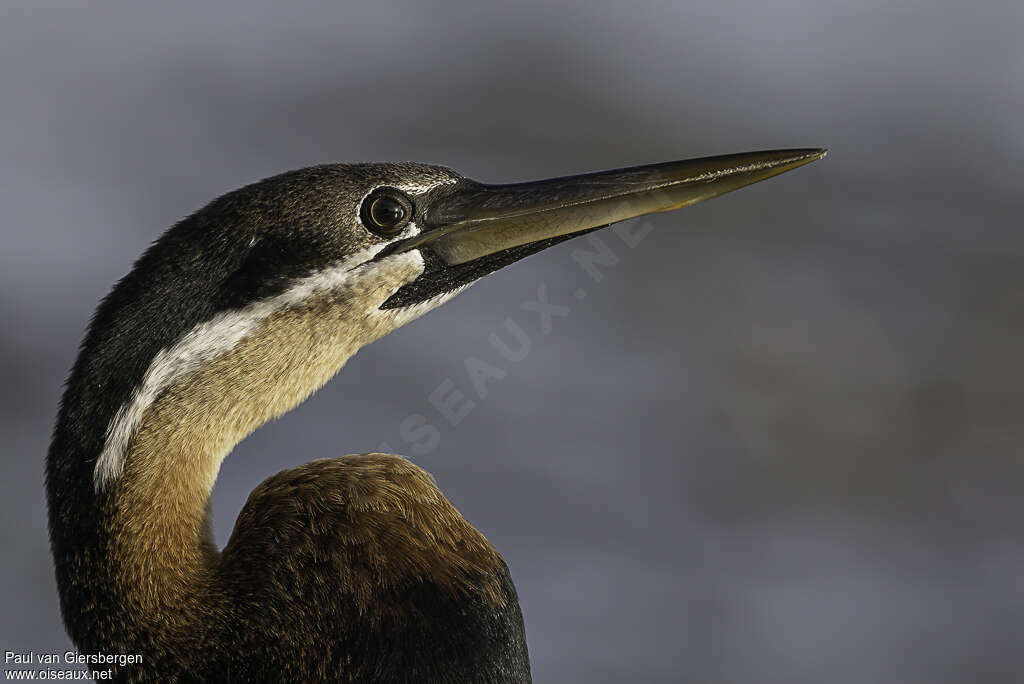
267	291
376	218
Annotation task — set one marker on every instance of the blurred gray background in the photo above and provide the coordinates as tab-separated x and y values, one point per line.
780	440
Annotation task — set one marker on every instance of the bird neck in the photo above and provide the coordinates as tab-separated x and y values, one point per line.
163	548
138	552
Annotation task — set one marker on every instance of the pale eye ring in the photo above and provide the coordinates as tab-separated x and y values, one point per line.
386	211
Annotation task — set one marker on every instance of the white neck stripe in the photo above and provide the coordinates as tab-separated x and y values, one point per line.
201	344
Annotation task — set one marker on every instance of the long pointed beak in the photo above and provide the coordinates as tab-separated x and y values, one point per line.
480	220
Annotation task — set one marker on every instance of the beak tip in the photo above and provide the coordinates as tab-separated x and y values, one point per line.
791	159
807	154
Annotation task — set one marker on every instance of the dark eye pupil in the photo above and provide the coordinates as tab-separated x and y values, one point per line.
386	212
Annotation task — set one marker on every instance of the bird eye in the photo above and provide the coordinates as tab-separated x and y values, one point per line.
385	212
